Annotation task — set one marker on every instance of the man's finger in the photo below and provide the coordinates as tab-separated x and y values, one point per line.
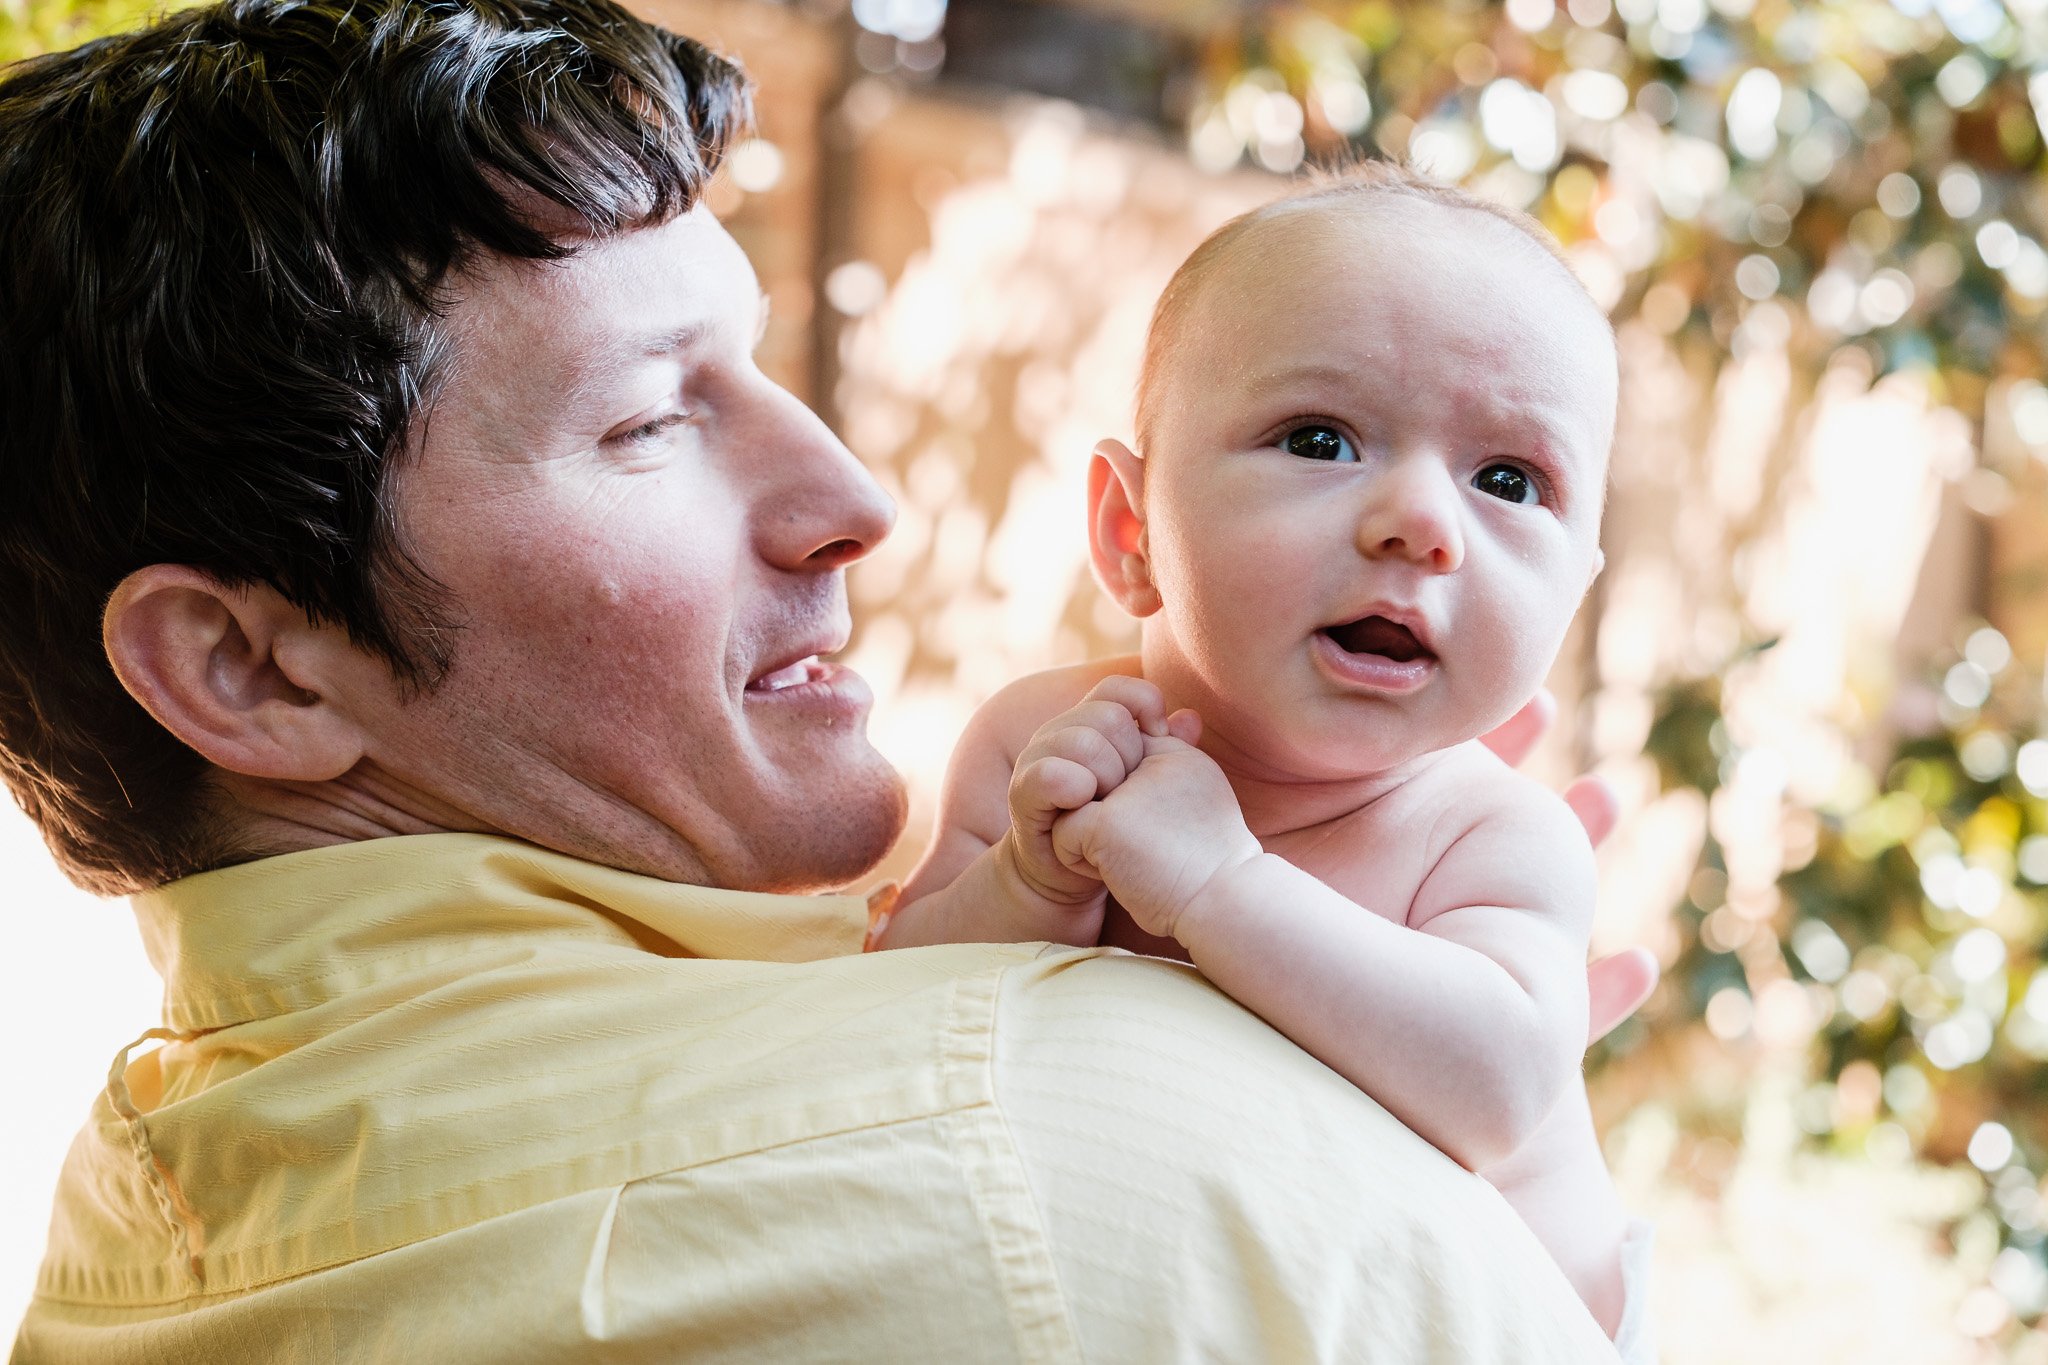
1514	737
1592	799
1616	987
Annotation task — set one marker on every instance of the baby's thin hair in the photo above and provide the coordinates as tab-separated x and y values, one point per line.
1361	180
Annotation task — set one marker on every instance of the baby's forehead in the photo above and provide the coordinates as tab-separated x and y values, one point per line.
1367	259
1387	297
1396	237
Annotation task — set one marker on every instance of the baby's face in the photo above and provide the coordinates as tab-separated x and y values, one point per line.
1372	492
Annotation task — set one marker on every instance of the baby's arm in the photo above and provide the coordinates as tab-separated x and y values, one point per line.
1468	1031
991	875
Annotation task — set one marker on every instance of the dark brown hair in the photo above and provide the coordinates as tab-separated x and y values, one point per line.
222	239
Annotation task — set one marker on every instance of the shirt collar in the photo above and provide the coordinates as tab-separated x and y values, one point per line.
298	930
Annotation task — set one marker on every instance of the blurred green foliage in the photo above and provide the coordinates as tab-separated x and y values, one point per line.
1869	167
1912	915
29	27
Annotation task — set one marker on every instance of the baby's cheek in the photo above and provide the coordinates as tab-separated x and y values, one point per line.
1519	645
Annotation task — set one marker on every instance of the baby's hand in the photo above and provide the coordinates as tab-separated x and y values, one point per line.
1168	830
1076	757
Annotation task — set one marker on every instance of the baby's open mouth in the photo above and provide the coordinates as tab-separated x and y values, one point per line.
1378	635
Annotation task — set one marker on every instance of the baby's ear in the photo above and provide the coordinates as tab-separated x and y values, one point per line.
1116	527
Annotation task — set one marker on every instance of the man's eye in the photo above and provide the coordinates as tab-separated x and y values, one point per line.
1507	483
1319	443
648	430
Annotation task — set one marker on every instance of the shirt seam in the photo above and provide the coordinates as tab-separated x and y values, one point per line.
1020	1251
187	1243
199	1009
244	1284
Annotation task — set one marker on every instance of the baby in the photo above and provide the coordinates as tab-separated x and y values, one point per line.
1373	431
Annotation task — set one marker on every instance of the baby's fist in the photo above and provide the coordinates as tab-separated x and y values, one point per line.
1167	830
1078	756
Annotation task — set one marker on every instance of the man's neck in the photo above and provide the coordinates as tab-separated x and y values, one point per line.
270	817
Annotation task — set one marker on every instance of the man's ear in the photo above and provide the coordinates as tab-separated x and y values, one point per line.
237	673
1116	527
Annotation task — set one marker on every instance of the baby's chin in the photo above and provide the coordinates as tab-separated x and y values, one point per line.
1302	731
1287	754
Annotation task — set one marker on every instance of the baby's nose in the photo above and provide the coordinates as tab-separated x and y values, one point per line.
1412	514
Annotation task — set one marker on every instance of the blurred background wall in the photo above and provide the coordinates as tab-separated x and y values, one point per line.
1813	666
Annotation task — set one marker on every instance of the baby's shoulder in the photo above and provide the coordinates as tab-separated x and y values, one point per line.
1507	840
1013	714
1470	791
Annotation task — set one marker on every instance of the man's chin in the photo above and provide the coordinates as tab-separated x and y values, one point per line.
852	820
865	838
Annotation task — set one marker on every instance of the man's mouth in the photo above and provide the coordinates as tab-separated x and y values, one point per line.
791	675
1378	635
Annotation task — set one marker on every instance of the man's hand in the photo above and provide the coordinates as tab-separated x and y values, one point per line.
1617	985
1077	757
1164	834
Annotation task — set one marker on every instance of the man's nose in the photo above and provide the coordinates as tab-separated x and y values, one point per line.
1412	513
820	509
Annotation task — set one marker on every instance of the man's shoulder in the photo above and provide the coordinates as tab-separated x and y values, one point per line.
1143	1054
1196	1173
970	1152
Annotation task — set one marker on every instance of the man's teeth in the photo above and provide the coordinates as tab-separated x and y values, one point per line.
798	672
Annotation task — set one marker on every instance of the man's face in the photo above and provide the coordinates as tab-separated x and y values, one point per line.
1372	497
645	540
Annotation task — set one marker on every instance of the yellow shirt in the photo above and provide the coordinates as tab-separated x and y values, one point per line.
455	1098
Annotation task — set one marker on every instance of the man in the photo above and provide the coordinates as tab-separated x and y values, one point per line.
411	591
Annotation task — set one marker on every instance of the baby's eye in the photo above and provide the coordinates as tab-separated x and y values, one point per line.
1319	443
1507	483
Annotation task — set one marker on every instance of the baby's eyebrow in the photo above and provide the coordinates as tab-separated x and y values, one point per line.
1311	370
1534	420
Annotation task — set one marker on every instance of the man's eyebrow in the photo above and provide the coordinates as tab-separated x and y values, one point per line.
673	340
690	333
